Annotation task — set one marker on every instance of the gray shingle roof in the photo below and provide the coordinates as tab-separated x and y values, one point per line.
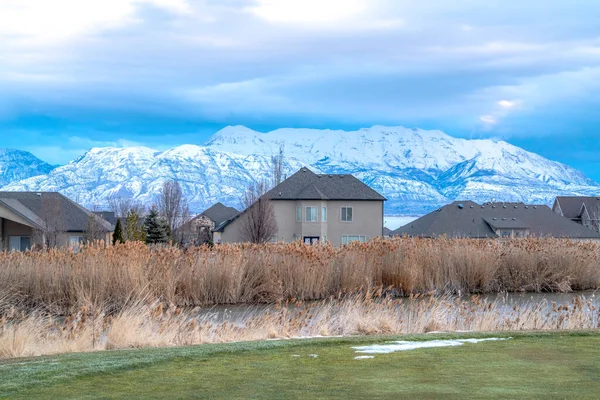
471	220
306	185
571	206
220	213
30	205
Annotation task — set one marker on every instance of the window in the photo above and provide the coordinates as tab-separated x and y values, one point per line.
75	241
311	214
353	238
19	243
324	239
347	214
324	214
298	214
505	234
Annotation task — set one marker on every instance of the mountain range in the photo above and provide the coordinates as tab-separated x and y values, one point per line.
417	170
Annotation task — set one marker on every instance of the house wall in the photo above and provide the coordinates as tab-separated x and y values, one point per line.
11	228
367	221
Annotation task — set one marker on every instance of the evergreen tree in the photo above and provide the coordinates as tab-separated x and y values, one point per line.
157	229
118	233
134	230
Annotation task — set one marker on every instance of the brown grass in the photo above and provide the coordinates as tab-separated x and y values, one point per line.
159	325
61	281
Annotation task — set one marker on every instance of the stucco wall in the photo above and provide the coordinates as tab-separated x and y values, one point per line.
367	221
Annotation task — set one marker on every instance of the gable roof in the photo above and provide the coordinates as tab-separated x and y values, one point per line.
30	205
471	220
306	185
572	206
220	213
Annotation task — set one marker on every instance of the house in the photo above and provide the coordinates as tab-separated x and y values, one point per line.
580	209
199	230
29	220
467	219
317	207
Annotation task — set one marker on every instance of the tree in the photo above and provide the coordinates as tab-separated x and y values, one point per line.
94	230
54	224
118	233
157	229
134	229
172	206
121	206
277	166
258	222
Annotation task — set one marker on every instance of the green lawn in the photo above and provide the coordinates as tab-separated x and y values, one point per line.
543	365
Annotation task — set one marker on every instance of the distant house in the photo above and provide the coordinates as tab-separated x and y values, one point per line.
580	209
199	230
317	207
467	219
29	220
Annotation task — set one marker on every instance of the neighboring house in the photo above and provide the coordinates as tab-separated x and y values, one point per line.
387	233
466	219
580	209
313	208
31	220
110	217
199	230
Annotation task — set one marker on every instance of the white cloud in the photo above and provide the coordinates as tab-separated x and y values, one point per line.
488	119
57	20
507	104
309	11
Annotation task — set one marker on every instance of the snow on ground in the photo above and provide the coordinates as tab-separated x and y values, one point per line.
394	222
404	345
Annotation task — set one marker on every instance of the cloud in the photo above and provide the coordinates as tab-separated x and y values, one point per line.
58	20
309	11
488	119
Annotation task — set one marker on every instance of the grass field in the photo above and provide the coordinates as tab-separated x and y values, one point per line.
530	365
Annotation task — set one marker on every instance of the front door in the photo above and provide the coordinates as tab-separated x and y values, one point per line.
311	239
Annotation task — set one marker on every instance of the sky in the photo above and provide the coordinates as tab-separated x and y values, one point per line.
77	74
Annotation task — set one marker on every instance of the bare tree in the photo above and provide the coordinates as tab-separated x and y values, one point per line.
277	166
258	222
121	206
54	220
594	221
172	206
94	230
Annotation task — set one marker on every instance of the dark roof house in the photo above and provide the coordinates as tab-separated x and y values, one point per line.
337	208
467	219
577	208
29	219
220	213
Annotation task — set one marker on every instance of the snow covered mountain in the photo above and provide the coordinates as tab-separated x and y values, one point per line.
416	170
16	165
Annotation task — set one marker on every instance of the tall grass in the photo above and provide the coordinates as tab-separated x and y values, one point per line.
61	281
154	324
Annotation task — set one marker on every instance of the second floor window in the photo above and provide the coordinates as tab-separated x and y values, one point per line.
324	214
298	214
311	214
347	214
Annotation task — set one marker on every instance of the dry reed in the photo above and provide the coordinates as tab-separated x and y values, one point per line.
61	281
159	325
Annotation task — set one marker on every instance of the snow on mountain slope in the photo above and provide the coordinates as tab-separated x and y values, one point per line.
16	165
206	175
416	170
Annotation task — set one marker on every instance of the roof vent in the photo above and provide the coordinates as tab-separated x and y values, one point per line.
527	207
471	206
503	206
482	206
516	207
493	206
461	206
39	194
514	219
495	219
503	219
279	194
535	207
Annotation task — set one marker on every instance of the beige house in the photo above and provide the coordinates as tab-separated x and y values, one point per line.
200	229
31	220
317	207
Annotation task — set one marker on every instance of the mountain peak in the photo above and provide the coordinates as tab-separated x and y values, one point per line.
16	165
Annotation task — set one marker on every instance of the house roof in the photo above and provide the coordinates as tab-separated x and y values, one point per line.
220	213
109	216
572	206
36	207
306	185
471	220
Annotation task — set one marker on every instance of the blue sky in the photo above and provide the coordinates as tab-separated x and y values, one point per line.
79	74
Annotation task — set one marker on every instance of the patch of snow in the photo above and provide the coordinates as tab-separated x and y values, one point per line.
363	357
406	345
313	355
